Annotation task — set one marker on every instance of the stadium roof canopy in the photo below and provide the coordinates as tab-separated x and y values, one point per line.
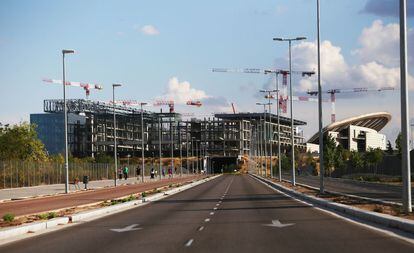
375	121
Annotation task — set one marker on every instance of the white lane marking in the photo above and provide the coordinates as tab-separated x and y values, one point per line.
207	220
188	244
217	204
220	201
211	213
215	208
278	224
201	228
126	229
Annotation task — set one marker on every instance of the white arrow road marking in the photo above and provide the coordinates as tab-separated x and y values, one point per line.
188	244
278	224
126	229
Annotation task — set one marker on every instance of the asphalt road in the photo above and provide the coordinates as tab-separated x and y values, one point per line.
188	222
365	189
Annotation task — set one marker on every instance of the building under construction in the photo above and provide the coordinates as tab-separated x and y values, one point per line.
164	134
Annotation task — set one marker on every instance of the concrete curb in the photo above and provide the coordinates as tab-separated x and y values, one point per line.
7	233
378	218
34	227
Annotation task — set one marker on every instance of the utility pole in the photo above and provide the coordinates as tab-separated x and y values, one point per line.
405	129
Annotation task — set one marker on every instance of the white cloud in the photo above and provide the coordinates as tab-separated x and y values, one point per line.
149	30
378	61
181	92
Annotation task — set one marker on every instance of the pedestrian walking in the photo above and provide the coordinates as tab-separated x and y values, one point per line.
138	171
169	172
152	173
163	172
119	173
125	171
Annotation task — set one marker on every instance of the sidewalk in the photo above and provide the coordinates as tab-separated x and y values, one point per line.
38	205
42	190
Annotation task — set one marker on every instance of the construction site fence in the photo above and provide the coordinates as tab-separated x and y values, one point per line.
14	174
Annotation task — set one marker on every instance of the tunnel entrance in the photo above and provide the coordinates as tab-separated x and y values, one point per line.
224	164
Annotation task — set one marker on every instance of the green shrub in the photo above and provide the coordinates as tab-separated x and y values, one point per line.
8	217
143	194
52	215
43	216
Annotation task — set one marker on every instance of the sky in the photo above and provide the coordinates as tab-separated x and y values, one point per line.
167	49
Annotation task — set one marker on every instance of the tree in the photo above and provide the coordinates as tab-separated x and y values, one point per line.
20	142
329	157
390	151
374	157
356	160
398	143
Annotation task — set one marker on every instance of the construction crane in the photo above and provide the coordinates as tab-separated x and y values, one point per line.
195	103
170	104
233	108
284	73
86	86
333	93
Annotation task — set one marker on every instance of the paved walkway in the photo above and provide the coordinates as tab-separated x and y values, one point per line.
42	190
39	205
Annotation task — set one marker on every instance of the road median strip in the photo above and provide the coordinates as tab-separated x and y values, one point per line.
386	220
9	232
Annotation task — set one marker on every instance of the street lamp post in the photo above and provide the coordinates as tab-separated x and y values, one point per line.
159	146
142	141
279	161
292	137
115	147
264	132
192	154
321	165
269	96
405	130
64	52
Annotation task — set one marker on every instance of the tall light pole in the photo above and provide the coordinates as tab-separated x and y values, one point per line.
279	159
292	137
269	96
405	129
142	140
321	165
192	154
65	115
264	132
115	146
159	146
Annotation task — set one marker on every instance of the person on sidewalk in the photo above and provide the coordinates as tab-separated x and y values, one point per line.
138	171
152	173
120	173
125	171
169	172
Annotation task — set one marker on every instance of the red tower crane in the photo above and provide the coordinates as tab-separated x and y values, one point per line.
333	93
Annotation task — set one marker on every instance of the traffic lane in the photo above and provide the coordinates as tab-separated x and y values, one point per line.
165	226
384	192
239	226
